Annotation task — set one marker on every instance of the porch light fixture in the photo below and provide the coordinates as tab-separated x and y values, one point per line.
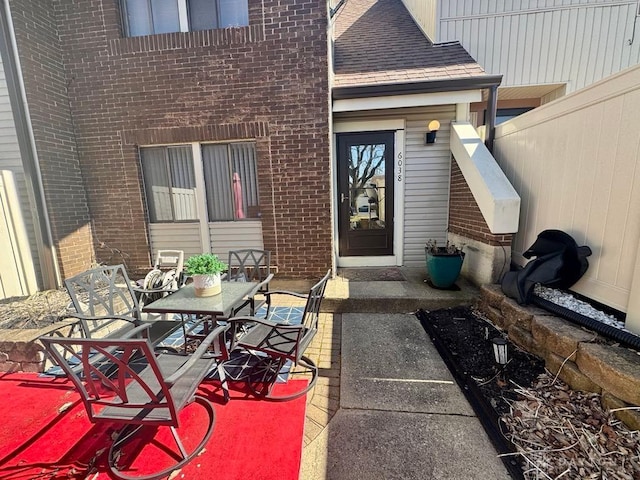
500	350
432	129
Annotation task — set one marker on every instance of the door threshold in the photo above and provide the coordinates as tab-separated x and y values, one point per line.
383	261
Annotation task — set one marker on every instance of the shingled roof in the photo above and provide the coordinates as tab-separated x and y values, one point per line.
377	42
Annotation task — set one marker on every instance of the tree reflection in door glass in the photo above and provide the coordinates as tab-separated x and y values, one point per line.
367	186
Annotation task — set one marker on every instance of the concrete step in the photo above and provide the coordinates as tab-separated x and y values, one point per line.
365	295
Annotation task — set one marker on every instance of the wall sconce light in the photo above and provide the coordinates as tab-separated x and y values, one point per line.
432	129
500	351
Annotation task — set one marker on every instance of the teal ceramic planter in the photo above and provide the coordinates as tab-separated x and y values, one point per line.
444	268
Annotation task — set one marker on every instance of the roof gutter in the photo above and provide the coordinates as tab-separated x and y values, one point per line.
432	86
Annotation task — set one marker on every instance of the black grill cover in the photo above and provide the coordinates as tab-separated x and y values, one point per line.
559	263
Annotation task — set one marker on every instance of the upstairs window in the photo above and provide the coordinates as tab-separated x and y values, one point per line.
149	17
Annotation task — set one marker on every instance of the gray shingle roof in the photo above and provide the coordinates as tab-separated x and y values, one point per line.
377	42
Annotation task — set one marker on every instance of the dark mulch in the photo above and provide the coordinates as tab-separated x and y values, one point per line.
464	341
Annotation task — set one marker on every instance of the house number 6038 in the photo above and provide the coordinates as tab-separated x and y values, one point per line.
400	163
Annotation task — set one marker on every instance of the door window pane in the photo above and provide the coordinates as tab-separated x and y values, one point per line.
202	15
367	186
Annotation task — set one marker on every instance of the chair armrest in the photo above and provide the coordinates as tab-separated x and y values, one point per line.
264	283
199	353
285	292
81	316
164	288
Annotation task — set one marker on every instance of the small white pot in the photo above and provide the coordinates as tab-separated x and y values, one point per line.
207	285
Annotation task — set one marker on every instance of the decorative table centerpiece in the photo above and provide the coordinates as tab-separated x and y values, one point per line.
206	269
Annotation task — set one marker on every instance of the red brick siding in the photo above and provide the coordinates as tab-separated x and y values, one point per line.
465	217
266	82
41	59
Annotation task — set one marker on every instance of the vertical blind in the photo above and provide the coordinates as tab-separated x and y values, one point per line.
169	183
220	164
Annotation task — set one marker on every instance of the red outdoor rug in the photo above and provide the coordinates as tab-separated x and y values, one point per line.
45	433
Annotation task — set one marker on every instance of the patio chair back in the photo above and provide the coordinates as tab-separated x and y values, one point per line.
104	300
314	300
251	265
126	382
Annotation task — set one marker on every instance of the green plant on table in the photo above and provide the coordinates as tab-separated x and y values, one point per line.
205	264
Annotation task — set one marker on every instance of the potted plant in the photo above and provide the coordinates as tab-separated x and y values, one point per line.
443	263
205	270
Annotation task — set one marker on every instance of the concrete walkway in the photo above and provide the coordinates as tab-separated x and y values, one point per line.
385	405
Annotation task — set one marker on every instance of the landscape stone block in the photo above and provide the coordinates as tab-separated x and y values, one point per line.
493	314
631	418
558	336
570	373
492	294
615	369
515	314
525	340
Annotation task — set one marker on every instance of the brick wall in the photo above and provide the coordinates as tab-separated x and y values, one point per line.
41	59
266	82
465	217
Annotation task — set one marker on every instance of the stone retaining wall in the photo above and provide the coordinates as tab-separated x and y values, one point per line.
577	355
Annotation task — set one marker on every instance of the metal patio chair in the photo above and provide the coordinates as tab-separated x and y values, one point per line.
251	265
278	349
144	390
104	301
165	277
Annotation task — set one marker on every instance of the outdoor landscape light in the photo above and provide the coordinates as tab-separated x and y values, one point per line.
500	350
432	129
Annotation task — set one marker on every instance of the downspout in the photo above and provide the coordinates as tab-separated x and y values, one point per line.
492	110
26	139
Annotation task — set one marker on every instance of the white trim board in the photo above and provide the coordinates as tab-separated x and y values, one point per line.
402	101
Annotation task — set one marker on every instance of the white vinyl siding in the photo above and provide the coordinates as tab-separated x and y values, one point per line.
225	236
10	159
426	188
531	42
425	13
175	236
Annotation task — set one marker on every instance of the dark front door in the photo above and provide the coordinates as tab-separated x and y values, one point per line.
365	193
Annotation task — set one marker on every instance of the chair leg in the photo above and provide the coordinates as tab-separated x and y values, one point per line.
224	383
128	433
265	377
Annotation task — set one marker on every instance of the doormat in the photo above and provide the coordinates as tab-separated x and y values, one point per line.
383	274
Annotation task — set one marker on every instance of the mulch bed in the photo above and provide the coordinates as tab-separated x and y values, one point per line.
541	428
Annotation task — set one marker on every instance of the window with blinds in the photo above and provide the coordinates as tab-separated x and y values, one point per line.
230	178
231	181
169	183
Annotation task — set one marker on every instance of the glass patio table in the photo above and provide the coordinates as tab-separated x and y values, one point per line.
206	310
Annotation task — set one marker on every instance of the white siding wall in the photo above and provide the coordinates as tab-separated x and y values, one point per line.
224	236
227	236
11	160
175	236
545	41
574	163
427	168
425	14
